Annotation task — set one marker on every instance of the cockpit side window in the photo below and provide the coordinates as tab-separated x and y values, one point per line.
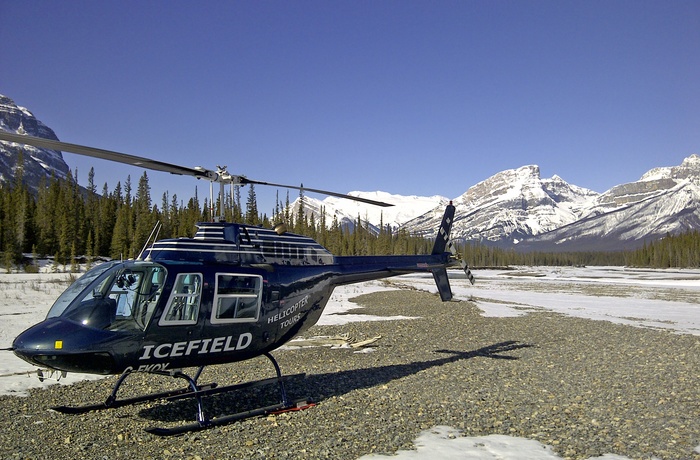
237	298
136	293
183	305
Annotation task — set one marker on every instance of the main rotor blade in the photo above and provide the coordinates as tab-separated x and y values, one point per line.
133	160
108	155
245	180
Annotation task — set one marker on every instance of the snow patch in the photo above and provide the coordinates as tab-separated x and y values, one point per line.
446	443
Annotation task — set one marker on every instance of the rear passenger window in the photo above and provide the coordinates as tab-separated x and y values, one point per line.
237	298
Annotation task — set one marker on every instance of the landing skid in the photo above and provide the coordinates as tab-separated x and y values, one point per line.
196	391
111	403
226	419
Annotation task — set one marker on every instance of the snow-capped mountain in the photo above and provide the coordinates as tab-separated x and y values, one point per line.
517	208
509	206
38	162
651	184
346	212
665	200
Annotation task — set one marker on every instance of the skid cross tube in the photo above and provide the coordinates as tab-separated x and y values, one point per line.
192	381
112	402
197	393
203	423
283	392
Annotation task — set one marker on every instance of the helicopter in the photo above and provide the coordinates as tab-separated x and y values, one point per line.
230	293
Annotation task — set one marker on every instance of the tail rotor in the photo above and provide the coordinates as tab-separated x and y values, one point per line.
462	262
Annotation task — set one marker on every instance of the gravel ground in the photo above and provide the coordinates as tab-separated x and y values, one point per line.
584	387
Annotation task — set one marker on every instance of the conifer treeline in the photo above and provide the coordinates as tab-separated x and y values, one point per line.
679	251
66	222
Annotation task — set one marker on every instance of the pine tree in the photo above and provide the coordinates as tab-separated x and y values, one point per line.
89	255
300	220
45	217
165	213
322	233
66	216
237	209
175	216
287	212
107	217
14	216
74	265
144	216
251	213
122	235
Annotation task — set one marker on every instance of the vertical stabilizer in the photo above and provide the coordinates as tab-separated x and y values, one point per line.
443	235
441	239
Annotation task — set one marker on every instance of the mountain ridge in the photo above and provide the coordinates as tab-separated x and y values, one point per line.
518	209
515	208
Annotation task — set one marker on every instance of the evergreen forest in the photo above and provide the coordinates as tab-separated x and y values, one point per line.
73	224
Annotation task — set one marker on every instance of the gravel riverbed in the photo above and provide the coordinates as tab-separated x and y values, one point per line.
584	387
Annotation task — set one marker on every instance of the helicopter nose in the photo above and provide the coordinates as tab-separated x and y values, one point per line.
64	346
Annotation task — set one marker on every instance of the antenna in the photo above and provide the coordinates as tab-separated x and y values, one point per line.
153	236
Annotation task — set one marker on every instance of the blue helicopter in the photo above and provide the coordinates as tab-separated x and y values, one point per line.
231	293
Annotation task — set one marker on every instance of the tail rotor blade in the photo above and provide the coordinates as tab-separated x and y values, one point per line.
462	263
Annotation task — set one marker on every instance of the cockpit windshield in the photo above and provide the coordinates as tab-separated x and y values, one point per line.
113	296
77	287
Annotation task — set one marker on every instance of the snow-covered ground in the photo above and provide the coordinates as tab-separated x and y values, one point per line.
666	299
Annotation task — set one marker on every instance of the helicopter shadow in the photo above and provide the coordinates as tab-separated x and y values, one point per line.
319	387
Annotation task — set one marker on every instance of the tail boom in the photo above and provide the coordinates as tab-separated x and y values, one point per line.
353	269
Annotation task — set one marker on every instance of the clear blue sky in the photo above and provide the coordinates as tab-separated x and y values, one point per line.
408	97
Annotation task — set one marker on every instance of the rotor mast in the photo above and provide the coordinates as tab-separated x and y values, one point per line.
222	178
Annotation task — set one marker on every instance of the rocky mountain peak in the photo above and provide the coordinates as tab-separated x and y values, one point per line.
665	200
514	204
654	182
692	161
688	169
38	162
